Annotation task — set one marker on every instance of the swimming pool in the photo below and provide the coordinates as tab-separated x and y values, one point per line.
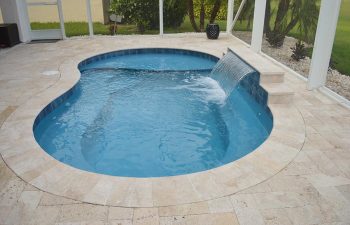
153	113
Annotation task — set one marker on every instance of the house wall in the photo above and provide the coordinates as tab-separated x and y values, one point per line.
73	10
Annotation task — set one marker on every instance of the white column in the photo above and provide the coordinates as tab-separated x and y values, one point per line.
89	17
258	25
326	28
15	11
161	24
230	10
23	20
237	14
8	9
60	15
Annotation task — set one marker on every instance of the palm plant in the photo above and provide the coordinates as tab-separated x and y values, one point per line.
290	13
190	9
299	51
247	13
215	10
203	5
202	16
145	13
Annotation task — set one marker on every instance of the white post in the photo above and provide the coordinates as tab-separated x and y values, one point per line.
16	11
230	10
60	15
258	25
237	14
161	28
326	28
23	21
9	9
89	17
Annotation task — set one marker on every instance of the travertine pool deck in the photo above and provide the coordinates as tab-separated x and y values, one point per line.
300	175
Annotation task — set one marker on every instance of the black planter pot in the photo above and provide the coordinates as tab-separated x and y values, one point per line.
213	31
8	35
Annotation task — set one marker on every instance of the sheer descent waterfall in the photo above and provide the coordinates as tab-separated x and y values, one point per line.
229	71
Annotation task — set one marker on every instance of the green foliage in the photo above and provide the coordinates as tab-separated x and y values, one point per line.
341	47
222	14
307	11
247	13
275	38
208	5
145	13
332	64
299	51
174	13
82	28
73	28
291	13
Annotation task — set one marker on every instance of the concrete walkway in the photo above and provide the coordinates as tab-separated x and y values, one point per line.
313	189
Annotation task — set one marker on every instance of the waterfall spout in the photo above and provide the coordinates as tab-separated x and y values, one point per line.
229	71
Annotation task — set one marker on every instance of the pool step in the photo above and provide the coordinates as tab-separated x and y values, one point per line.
269	72
271	77
279	93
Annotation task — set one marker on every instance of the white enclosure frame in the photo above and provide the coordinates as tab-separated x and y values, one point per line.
258	25
326	29
49	33
237	15
161	18
89	18
230	10
15	11
324	39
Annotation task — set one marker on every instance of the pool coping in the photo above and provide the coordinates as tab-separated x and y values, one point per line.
25	157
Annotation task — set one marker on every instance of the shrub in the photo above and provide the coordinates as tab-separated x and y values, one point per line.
299	51
222	14
145	13
174	12
332	64
275	39
302	14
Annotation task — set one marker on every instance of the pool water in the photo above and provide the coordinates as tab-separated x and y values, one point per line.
164	61
148	122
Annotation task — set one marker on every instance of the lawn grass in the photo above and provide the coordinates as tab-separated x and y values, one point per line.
81	28
341	48
73	28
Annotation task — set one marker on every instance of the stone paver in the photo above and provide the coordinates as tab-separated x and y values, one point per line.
313	189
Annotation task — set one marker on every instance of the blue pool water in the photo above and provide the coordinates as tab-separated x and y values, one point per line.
153	121
150	61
